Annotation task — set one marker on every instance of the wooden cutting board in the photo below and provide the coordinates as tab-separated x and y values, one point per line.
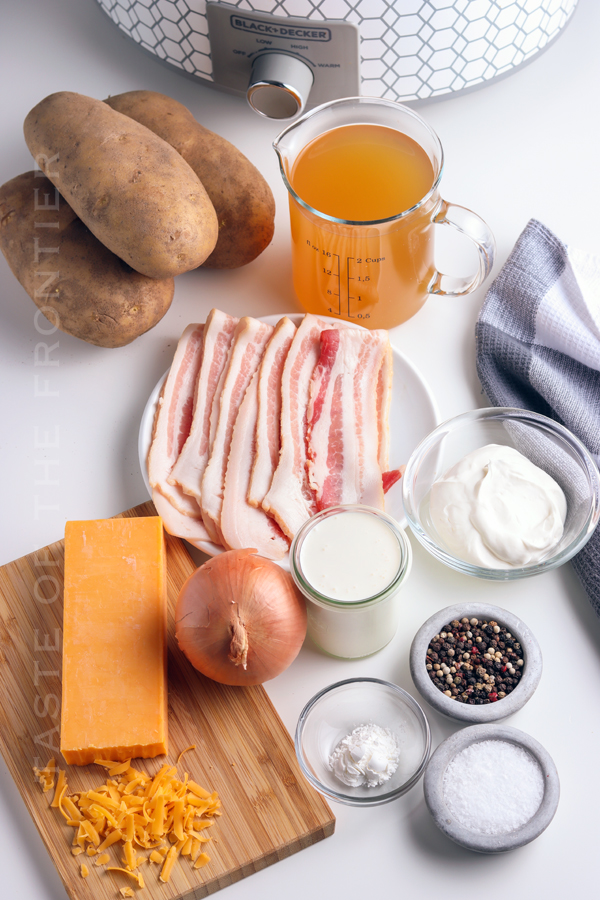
243	750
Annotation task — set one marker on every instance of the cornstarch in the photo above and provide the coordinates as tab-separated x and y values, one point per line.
367	756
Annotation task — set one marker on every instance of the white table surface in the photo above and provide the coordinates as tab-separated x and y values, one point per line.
523	147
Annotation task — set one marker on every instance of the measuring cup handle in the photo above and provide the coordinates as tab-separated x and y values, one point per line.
471	225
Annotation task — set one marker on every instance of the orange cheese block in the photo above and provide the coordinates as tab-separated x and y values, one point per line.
114	685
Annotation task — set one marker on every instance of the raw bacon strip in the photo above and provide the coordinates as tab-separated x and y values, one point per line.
187	527
243	525
189	468
174	418
268	421
390	478
290	499
384	399
249	340
343	434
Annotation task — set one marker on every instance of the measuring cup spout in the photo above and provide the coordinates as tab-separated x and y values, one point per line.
291	141
283	161
287	145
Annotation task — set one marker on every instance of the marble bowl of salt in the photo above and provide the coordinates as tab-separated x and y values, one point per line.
491	788
362	742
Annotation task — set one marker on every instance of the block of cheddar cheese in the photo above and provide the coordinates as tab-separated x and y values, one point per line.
114	675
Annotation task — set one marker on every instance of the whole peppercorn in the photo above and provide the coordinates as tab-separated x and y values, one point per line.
488	670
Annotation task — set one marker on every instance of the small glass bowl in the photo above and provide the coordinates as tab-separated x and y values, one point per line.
544	442
340	708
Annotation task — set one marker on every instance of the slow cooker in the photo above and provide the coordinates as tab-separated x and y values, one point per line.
290	55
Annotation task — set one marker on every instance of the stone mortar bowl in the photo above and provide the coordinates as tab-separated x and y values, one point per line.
490	712
433	786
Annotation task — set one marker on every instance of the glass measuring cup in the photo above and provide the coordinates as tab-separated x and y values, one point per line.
379	272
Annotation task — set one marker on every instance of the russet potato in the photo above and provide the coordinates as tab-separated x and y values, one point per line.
240	195
81	286
134	192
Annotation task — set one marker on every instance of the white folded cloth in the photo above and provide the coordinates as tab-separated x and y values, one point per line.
538	348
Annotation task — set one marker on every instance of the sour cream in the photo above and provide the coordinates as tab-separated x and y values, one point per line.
350	556
498	510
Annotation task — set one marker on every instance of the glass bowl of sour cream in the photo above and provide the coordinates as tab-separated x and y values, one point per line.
363	742
502	493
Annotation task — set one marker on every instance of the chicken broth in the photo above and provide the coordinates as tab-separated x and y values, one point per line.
362	173
371	274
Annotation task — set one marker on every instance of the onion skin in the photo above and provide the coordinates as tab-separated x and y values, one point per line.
239	619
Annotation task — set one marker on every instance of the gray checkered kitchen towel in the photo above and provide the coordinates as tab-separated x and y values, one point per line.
538	348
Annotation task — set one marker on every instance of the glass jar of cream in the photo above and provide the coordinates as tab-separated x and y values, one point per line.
350	563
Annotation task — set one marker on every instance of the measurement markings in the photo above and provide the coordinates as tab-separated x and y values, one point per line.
332	274
349	278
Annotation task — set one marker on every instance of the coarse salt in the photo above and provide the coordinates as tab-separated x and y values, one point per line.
493	787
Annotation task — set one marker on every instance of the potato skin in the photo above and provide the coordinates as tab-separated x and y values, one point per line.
132	190
86	290
242	198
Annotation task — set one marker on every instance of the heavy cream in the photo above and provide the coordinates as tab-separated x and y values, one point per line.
350	562
350	556
496	509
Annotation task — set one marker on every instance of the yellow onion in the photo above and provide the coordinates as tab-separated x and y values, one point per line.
239	619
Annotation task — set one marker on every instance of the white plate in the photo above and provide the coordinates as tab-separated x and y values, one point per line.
413	415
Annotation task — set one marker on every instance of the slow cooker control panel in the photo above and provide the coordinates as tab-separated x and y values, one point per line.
283	65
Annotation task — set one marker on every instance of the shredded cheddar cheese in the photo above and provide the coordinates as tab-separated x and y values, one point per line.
45	776
138	878
191	747
163	814
60	785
